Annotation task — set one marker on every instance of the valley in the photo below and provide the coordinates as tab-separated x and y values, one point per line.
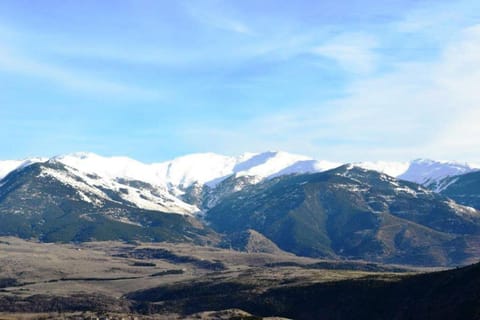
116	277
182	281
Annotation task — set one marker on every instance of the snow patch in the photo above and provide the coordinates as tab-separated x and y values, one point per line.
70	180
351	187
91	189
406	190
124	220
444	184
461	209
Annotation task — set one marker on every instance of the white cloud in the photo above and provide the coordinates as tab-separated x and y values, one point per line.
353	52
13	61
437	18
217	17
419	109
459	76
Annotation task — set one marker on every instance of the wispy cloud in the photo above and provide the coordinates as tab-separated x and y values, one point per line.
418	109
22	53
458	76
438	18
215	17
19	61
353	52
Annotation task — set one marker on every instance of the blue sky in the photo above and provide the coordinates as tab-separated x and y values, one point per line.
348	81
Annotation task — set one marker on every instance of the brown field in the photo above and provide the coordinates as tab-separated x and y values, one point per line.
111	269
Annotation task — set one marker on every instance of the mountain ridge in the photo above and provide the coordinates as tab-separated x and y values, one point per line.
193	183
211	168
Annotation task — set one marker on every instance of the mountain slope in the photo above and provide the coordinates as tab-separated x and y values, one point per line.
451	294
253	242
355	213
464	189
47	201
122	188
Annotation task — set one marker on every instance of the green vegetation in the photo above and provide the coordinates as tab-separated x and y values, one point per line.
351	213
36	206
452	294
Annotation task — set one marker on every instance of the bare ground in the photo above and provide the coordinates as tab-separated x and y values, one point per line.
114	269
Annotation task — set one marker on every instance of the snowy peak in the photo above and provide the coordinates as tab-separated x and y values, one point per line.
422	171
428	172
202	168
393	169
109	167
307	166
8	166
211	168
268	164
253	160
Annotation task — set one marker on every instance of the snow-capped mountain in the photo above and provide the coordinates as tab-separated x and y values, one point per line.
211	169
53	202
202	168
180	173
109	167
429	172
161	186
426	172
97	189
165	186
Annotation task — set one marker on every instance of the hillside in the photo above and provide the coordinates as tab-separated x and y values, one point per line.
352	213
47	201
464	189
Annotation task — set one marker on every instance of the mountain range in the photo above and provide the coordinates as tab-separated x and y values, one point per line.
421	212
209	169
